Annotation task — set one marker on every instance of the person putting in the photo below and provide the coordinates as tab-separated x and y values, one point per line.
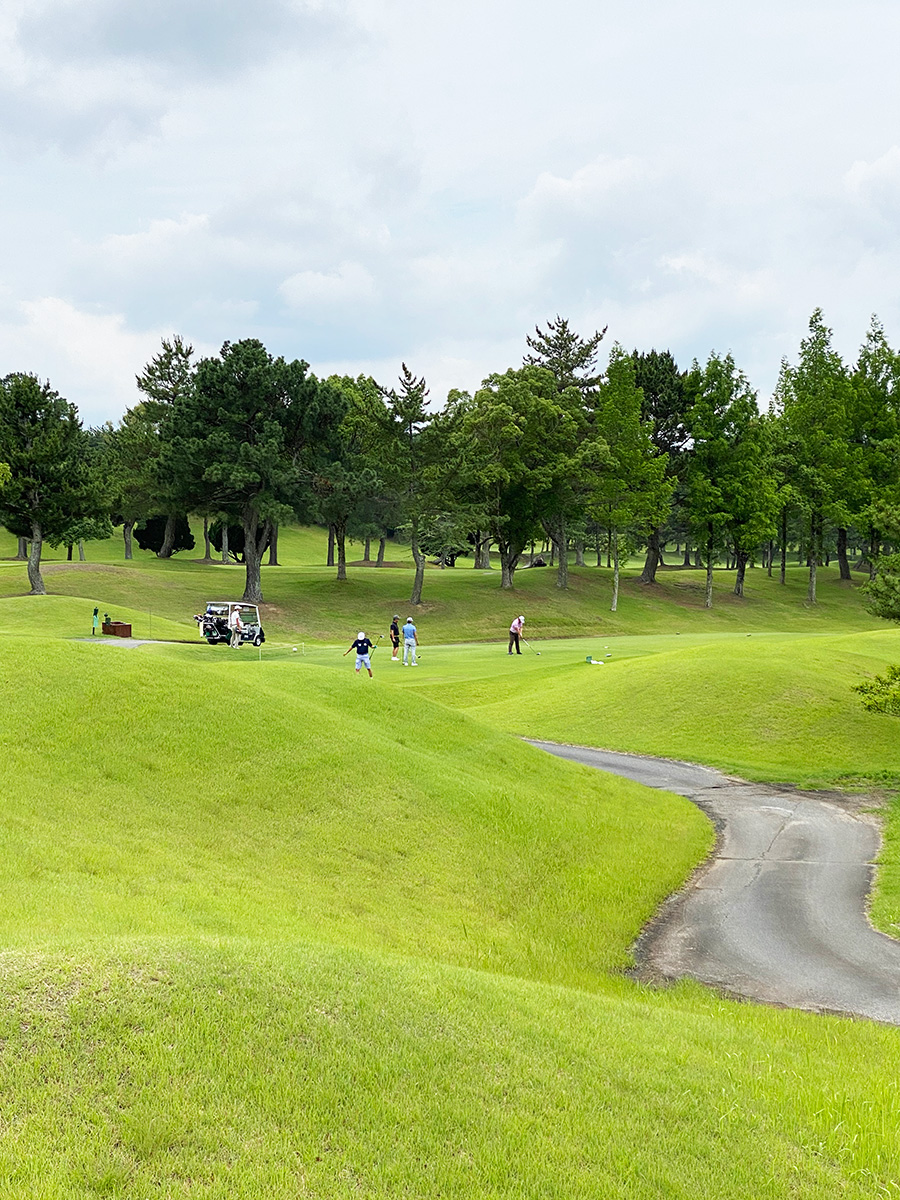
395	638
515	632
363	648
410	641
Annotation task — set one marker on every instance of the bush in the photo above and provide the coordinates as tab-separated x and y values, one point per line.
150	534
882	694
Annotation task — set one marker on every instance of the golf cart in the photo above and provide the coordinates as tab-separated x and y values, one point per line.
215	623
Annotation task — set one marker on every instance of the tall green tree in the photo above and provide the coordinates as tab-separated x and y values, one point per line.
352	498
51	486
730	483
166	380
875	431
519	442
248	438
815	401
631	491
665	403
406	454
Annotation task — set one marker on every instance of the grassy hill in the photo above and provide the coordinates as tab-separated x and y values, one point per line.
272	930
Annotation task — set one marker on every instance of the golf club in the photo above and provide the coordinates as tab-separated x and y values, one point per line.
530	647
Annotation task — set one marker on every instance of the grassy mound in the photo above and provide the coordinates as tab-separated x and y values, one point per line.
185	796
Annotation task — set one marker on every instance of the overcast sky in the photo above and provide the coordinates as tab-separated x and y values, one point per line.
360	182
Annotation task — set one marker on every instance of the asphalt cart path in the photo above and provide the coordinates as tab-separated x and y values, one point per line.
778	911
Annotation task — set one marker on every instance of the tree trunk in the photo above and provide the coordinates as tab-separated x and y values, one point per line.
225	550
367	549
22	552
379	561
165	550
770	554
556	531
207	548
81	549
741	557
599	552
709	570
813	558
69	549
34	561
686	560
340	539
653	559
419	560
783	535
273	547
579	552
509	560
615	595
127	531
330	560
256	537
842	554
482	551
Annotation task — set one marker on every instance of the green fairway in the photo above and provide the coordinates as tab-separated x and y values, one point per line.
273	929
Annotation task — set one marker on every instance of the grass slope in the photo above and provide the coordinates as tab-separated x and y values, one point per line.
282	803
273	931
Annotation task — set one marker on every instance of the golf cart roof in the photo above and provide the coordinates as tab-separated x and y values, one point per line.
224	606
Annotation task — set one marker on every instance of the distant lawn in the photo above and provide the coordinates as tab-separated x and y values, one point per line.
304	600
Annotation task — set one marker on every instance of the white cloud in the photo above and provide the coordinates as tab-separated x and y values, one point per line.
89	357
350	283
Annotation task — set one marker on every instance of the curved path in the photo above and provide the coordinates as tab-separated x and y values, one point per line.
778	911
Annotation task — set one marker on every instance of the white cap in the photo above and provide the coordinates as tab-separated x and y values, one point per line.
361	634
521	618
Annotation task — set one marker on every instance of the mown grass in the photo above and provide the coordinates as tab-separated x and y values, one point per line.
222	1069
273	930
189	797
773	707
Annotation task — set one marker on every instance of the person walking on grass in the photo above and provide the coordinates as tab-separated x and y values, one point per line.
515	631
363	647
395	638
410	641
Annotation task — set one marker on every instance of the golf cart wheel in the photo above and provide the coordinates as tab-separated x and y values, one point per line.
258	639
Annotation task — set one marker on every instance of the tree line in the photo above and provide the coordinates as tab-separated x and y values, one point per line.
554	452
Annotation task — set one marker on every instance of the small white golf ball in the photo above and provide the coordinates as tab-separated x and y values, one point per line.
295	649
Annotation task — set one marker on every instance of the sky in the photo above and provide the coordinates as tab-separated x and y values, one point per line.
360	183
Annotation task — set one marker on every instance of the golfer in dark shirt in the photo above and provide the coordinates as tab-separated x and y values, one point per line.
362	646
395	638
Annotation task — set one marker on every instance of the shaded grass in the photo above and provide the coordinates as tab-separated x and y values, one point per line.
460	605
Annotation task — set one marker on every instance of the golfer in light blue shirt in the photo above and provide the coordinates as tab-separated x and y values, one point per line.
410	641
